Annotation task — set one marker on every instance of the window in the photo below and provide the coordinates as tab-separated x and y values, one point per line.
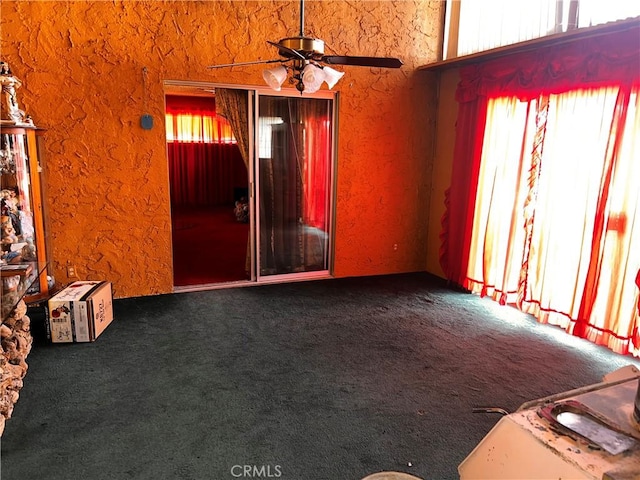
195	120
188	128
473	26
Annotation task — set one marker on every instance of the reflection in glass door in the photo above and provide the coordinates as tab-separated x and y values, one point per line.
294	172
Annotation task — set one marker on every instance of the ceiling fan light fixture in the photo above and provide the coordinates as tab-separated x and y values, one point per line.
275	77
331	76
307	62
312	78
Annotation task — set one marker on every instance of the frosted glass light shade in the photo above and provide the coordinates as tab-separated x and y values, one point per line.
312	78
331	76
275	77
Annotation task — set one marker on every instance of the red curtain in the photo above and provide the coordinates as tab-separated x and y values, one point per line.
611	59
316	172
457	222
205	174
205	163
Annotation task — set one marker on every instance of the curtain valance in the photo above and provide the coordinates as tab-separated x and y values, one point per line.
178	104
608	59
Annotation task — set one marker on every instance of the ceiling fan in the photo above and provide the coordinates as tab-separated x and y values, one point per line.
305	59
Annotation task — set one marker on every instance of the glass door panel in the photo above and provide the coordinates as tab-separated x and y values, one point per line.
23	252
294	172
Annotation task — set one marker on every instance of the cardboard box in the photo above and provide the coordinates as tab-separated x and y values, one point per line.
100	311
80	312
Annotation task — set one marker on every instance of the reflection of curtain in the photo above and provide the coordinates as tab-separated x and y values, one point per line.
295	158
204	162
316	174
554	212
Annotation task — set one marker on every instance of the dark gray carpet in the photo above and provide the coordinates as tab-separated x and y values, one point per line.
326	380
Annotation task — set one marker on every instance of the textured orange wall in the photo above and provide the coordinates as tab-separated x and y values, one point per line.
108	199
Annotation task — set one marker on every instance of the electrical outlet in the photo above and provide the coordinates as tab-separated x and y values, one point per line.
71	271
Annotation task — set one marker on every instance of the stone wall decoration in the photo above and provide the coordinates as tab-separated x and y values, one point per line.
15	345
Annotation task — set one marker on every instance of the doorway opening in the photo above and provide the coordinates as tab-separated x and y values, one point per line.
209	194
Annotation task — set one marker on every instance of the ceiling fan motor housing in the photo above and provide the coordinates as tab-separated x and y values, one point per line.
307	46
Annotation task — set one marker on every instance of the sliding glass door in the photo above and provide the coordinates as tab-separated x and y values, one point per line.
272	216
294	173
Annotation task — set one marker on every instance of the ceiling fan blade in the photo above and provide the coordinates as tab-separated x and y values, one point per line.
290	51
239	64
382	62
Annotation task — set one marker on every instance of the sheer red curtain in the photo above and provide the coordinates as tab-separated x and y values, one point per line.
505	242
605	60
205	163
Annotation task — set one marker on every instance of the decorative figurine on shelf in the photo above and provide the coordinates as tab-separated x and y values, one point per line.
7	235
9	109
9	207
25	255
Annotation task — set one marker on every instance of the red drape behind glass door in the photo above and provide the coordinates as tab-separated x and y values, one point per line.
610	59
203	174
